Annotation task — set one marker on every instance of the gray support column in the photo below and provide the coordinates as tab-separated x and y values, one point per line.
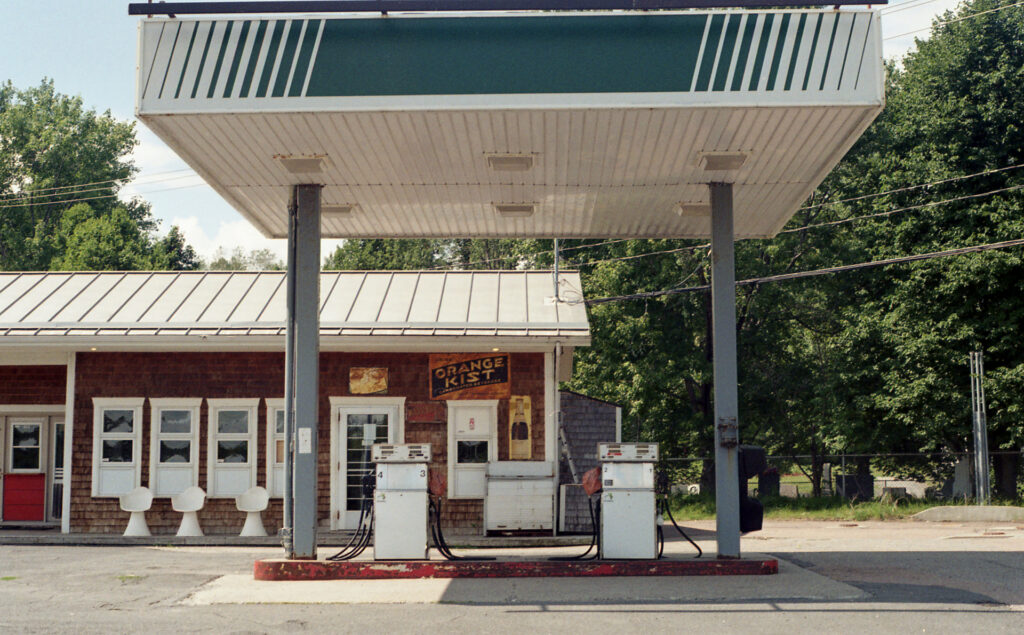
289	387
306	312
723	309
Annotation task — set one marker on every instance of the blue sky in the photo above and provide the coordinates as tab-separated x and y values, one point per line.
88	47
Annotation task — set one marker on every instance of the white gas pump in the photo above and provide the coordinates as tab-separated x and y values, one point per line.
400	501
628	527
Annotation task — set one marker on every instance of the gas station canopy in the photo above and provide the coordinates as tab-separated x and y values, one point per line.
521	125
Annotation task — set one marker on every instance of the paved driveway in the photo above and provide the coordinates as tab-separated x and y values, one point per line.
872	577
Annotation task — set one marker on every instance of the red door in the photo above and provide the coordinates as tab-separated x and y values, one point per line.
24	497
24	481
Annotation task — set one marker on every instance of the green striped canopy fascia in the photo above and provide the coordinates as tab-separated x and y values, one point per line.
549	60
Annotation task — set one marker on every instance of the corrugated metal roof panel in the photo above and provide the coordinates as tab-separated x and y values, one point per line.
221	304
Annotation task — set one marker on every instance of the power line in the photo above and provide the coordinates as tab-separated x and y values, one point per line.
816	225
902	209
33	196
913	187
818	272
794	229
902	6
644	255
93	198
535	253
960	19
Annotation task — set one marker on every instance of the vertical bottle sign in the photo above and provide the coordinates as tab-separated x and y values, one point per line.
520	446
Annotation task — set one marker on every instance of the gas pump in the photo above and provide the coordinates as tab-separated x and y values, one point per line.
628	526
400	501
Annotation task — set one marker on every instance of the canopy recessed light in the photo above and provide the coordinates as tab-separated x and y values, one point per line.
722	161
693	209
301	164
510	162
515	210
338	210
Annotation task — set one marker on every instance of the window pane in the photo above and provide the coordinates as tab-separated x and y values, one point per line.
25	458
25	435
279	451
233	422
57	502
118	420
279	422
117	451
175	421
472	451
233	451
58	449
175	451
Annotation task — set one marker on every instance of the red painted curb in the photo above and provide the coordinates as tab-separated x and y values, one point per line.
283	570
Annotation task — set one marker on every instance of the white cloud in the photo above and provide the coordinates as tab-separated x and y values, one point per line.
901	21
235	234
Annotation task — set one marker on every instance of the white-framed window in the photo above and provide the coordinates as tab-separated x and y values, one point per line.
173	445
25	443
472	444
231	446
275	447
116	445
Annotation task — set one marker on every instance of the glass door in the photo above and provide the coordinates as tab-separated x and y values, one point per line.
359	428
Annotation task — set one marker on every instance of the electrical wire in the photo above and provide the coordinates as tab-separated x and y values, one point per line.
786	231
93	198
155	175
32	199
960	19
908	208
534	253
817	225
1006	244
635	256
913	187
902	6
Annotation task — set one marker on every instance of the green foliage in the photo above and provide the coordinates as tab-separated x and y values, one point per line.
375	254
702	507
239	260
61	167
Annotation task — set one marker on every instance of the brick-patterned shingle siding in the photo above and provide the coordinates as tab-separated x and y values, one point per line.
587	422
32	385
261	375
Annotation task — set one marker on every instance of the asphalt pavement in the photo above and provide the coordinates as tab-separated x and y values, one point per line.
883	577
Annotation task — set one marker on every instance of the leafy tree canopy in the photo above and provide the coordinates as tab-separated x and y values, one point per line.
61	168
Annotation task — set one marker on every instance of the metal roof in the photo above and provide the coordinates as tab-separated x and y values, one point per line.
387	307
616	113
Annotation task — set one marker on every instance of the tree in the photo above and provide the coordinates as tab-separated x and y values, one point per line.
954	107
62	165
239	260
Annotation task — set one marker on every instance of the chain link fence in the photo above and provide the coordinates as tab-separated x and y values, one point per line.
925	476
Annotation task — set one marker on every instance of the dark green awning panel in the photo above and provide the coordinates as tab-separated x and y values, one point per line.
527	125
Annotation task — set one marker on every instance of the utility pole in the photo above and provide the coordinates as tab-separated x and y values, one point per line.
982	487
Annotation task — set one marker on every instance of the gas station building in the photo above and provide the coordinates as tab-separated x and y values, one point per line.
593	124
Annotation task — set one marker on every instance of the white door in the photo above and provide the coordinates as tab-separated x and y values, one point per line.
357	428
